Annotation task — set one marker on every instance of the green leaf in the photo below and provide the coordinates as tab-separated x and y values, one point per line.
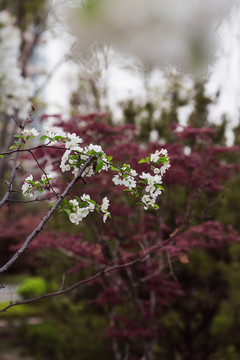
91	152
143	181
58	137
73	157
160	187
65	202
126	168
109	158
44	137
12	147
115	169
19	136
142	161
91	201
99	165
83	203
163	160
31	182
68	211
1	156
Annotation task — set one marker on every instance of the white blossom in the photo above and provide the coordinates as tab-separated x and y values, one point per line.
73	141
105	216
74	218
158	153
32	132
164	168
116	179
105	204
82	212
88	172
91	206
74	202
96	148
51	132
133	172
26	185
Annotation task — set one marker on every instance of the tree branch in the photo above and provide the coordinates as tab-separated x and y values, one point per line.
14	168
46	217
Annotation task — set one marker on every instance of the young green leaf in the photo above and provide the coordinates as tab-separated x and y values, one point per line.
142	161
115	169
59	138
99	165
68	211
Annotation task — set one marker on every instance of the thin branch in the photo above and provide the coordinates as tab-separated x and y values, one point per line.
30	201
79	283
33	148
104	271
46	217
41	168
14	168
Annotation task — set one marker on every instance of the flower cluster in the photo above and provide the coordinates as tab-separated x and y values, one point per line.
153	182
29	133
35	188
75	157
15	91
79	208
127	177
156	158
153	188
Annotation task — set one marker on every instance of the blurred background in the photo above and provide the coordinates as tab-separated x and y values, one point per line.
86	69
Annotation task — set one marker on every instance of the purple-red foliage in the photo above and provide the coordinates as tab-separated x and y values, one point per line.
210	234
147	288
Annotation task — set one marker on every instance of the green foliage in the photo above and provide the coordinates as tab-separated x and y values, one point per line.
68	332
32	286
20	311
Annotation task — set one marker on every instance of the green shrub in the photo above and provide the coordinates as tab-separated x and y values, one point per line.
32	286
